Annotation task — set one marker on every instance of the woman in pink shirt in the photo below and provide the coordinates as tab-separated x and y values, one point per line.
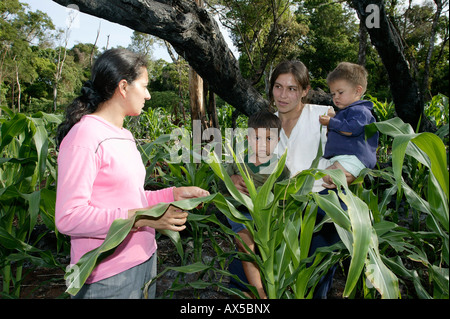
101	178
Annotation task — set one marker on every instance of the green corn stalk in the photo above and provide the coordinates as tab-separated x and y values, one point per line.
77	274
283	221
276	229
356	232
430	151
24	166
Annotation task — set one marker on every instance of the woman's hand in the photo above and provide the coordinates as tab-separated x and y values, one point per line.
173	219
238	181
180	193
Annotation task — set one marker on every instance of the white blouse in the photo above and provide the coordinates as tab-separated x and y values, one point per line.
303	142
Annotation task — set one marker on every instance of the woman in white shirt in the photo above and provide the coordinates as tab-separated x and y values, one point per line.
301	134
301	131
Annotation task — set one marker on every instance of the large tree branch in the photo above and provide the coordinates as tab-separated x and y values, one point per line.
192	32
405	90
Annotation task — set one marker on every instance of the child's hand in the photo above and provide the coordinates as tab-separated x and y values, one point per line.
239	182
324	120
331	112
328	182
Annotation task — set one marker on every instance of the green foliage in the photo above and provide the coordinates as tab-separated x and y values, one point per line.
427	246
276	228
329	40
381	247
383	111
437	111
395	232
19	28
263	31
225	116
150	123
27	195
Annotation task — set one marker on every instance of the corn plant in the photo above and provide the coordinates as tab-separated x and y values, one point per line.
283	222
27	194
383	111
437	110
151	124
178	174
192	174
283	260
430	244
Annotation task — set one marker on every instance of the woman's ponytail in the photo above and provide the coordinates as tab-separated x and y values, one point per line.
109	69
86	103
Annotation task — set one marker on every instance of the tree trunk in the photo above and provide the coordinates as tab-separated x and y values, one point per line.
58	75
426	72
193	33
362	44
61	60
198	90
405	90
196	97
19	95
2	61
211	109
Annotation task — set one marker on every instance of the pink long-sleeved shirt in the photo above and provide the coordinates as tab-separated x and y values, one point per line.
100	177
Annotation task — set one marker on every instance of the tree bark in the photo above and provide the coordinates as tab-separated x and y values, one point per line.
19	95
426	73
362	44
196	96
196	91
193	33
405	90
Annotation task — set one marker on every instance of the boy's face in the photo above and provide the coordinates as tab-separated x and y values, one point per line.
344	93
262	142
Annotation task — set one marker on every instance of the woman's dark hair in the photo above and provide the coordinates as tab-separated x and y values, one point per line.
296	68
110	68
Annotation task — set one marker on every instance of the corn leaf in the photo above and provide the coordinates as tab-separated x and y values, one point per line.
220	171
78	274
378	274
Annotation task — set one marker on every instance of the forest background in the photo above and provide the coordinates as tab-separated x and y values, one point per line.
39	72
